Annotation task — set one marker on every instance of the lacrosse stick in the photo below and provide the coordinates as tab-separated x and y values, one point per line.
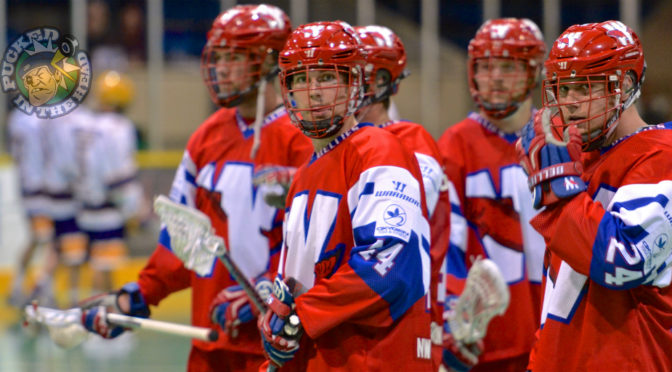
66	329
194	242
485	295
64	326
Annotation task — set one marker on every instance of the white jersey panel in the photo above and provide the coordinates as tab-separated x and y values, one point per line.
432	177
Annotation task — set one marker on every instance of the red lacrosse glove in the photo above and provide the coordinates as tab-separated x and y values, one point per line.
232	306
553	167
280	326
277	180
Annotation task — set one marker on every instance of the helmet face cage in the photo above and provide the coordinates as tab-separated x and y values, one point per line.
321	75
230	73
236	55
512	77
504	52
601	95
592	61
320	97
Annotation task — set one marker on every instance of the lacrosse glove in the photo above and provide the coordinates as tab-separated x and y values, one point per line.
553	167
95	309
280	326
233	307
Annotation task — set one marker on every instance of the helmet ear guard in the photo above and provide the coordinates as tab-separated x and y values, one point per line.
385	55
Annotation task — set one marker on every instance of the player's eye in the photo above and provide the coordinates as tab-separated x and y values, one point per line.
326	77
482	66
29	80
584	88
506	67
563	90
299	78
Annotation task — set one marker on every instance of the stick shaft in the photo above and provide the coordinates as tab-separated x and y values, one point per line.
199	333
242	280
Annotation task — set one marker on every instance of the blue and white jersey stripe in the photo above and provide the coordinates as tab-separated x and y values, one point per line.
632	246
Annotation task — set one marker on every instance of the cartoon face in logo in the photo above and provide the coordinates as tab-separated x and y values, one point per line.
395	215
41	83
48	73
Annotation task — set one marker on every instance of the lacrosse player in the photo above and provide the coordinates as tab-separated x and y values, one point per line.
354	271
107	185
605	217
385	67
491	203
216	177
27	147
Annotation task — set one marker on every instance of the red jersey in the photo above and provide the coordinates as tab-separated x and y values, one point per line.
491	210
417	140
357	242
215	177
607	296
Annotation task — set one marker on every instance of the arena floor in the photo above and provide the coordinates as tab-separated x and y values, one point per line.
136	351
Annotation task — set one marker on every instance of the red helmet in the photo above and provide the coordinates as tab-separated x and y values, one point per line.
587	54
385	55
511	39
238	43
332	49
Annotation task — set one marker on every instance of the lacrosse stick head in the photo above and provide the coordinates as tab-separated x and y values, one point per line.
192	237
485	295
64	326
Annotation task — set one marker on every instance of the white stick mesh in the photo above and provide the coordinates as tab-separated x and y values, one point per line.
192	237
65	326
485	295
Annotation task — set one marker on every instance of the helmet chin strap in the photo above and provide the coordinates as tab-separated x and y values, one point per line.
261	104
258	117
332	127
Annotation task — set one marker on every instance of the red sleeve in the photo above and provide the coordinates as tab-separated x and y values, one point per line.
453	162
579	218
163	275
320	311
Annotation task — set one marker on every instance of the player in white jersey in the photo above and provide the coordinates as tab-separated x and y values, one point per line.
62	174
108	187
26	145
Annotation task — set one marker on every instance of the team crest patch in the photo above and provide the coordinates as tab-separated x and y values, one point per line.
47	72
395	215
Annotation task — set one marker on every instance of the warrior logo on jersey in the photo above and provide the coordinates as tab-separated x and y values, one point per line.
47	72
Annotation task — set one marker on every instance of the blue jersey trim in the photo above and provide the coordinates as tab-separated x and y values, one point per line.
401	284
